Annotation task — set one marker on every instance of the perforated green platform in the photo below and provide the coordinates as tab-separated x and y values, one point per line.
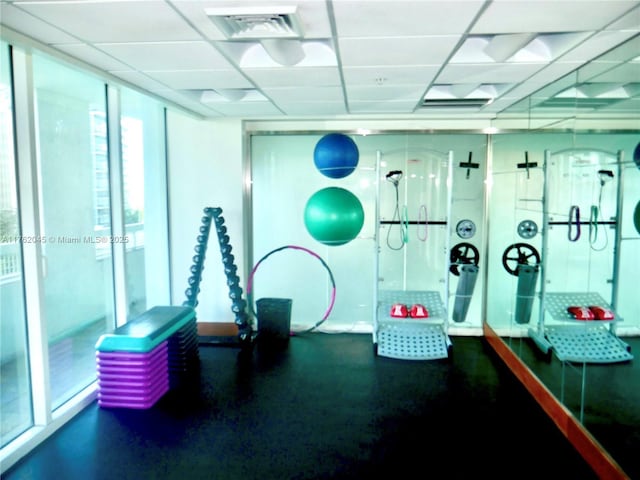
587	345
411	341
407	338
583	341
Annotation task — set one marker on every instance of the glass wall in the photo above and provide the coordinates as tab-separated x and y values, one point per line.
145	201
15	389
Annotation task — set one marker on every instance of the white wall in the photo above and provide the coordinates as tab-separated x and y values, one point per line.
205	170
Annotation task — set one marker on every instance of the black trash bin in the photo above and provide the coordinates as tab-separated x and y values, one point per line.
274	320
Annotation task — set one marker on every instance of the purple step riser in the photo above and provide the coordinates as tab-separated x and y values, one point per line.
141	393
129	364
132	376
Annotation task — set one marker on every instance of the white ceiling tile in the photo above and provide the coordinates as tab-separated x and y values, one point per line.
140	79
594	69
190	100
390	75
167	55
402	18
553	72
630	21
134	21
626	51
204	111
396	51
330	94
293	77
200	79
313	108
92	56
509	16
21	21
487	73
248	109
382	107
627	73
553	89
386	93
596	45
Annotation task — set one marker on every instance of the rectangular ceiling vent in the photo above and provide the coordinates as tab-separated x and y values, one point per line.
255	23
454	102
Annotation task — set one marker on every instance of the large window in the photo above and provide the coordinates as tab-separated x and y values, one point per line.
15	391
77	284
95	253
144	201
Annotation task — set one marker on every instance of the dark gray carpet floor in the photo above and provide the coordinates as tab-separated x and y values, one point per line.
324	408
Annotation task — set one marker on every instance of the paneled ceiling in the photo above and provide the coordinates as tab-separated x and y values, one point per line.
336	58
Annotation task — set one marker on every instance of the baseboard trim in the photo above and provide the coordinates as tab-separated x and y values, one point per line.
217	329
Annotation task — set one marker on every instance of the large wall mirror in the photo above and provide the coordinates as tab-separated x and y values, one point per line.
563	251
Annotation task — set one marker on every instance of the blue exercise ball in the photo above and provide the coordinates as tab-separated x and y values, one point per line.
336	155
333	216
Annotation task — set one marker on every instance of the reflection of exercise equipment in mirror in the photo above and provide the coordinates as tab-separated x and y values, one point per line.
518	255
574	222
464	258
522	260
604	176
579	326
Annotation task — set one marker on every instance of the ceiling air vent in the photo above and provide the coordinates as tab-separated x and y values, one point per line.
454	102
244	23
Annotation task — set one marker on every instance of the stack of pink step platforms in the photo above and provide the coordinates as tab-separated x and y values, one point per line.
139	362
132	380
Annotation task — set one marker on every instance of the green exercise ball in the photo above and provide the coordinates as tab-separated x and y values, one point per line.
636	217
333	216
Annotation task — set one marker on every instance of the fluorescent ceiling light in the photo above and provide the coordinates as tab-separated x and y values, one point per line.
224	95
316	54
284	52
502	47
